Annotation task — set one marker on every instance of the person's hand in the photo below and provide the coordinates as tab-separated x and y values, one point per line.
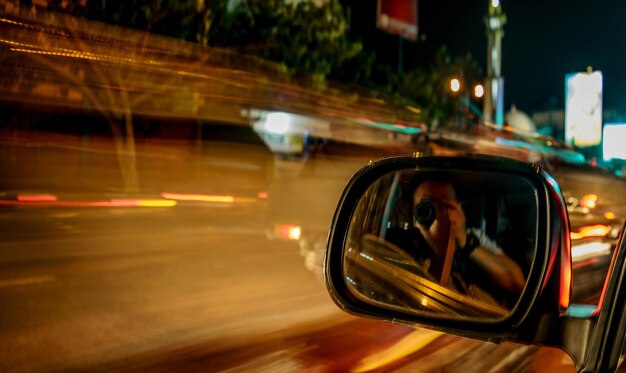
457	221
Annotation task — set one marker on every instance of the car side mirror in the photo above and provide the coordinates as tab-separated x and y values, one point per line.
473	246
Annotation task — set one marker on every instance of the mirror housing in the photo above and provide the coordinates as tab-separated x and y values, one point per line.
547	291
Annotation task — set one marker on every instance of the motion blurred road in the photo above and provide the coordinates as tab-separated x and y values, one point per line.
185	272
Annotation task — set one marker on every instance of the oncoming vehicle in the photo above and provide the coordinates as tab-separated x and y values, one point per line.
445	261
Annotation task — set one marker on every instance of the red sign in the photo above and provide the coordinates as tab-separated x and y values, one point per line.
398	17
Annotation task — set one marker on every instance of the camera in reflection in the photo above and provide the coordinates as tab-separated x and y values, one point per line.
424	212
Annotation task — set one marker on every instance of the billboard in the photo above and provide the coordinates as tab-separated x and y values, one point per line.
583	109
614	145
398	17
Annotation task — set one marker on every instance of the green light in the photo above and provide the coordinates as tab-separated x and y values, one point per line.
390	127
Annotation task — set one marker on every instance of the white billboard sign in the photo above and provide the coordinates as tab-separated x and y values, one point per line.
583	109
614	145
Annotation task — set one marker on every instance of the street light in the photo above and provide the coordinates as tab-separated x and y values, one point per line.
479	91
455	85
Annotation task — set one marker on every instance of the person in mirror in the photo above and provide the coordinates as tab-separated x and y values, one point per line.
441	223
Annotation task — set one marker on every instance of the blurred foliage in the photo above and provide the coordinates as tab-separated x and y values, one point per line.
302	36
426	87
429	87
183	19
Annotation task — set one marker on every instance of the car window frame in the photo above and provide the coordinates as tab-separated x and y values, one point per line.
607	338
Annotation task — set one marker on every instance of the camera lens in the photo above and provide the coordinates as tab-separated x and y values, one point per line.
424	212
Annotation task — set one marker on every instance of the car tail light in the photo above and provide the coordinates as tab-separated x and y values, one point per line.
289	231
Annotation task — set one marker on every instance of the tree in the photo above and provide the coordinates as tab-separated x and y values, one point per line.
303	36
184	19
429	87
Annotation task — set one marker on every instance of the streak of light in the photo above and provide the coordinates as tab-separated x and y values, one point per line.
244	200
143	202
198	197
413	109
599	230
408	345
112	203
590	250
60	54
263	195
610	215
26	48
13	22
26	281
37	198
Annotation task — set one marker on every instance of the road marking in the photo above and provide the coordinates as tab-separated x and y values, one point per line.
409	344
26	281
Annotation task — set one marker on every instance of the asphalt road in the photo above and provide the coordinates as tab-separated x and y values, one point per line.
205	285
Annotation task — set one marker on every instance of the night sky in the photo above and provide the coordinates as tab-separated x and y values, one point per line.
544	40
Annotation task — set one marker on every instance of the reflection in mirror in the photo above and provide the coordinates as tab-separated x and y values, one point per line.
456	244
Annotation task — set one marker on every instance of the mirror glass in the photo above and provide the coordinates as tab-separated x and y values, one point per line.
456	244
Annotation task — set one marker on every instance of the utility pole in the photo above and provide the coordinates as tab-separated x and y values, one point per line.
493	108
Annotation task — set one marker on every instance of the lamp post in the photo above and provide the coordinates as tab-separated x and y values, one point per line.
455	88
493	105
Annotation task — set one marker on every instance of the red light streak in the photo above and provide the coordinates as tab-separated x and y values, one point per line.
37	198
112	203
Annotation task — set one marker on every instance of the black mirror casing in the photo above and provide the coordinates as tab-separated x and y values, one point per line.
547	290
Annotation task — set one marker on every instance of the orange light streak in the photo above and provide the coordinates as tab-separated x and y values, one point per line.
37	198
198	197
590	231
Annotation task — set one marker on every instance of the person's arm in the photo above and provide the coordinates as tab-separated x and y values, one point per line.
506	274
